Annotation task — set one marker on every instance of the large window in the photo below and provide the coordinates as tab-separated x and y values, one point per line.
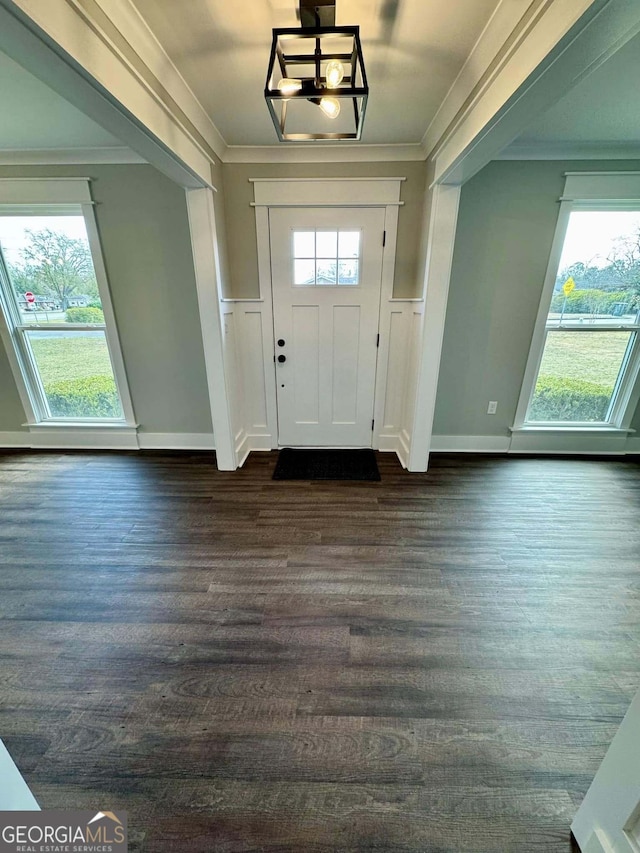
587	354
54	316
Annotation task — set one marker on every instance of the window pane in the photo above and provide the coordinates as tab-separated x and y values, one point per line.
304	271
326	244
599	277
578	375
50	268
348	272
326	271
349	244
76	373
323	247
304	244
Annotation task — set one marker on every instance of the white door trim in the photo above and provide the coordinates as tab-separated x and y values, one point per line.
326	192
318	192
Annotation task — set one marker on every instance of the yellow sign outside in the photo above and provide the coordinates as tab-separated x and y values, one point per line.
568	286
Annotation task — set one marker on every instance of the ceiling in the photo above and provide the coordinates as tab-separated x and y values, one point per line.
413	51
604	108
35	117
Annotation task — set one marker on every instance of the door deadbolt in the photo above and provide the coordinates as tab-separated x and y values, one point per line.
280	342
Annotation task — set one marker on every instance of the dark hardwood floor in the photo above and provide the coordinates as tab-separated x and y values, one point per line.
433	663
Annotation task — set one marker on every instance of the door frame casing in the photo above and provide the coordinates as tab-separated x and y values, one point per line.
323	192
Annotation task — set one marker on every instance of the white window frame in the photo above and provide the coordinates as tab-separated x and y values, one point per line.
58	196
584	191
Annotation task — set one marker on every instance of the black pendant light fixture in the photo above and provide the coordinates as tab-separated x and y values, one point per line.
316	85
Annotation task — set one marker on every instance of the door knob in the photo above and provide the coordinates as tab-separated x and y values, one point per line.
282	358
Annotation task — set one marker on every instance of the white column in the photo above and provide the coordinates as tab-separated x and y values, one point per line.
442	231
204	245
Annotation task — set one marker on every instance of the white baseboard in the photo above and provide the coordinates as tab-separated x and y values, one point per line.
633	445
574	443
15	439
386	443
393	443
64	438
247	443
175	441
470	444
93	438
261	442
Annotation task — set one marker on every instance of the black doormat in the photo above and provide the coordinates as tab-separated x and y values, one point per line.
326	465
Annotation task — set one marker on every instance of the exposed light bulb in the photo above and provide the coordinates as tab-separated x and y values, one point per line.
290	85
330	107
334	73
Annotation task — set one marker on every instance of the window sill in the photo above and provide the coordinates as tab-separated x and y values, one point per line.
570	428
71	424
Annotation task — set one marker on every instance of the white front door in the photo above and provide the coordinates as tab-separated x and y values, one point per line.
326	266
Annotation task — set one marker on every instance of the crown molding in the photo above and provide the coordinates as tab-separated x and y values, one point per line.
571	151
357	153
484	61
68	156
559	45
150	56
72	46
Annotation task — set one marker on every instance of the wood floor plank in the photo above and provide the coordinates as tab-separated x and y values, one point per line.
435	663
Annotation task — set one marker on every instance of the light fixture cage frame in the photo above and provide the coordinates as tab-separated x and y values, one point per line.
312	87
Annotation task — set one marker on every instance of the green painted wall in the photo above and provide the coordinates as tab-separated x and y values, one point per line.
144	230
508	215
241	223
12	415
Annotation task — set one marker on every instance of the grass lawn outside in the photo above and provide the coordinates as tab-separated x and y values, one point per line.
578	375
590	356
76	372
74	356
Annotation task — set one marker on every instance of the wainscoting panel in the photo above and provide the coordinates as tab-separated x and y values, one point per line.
400	331
248	339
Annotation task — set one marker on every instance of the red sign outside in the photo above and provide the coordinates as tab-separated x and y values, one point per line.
29	297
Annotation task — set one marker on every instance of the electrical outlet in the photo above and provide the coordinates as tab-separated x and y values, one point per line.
493	407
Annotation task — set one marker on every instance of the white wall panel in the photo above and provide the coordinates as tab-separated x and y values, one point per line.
346	346
305	325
